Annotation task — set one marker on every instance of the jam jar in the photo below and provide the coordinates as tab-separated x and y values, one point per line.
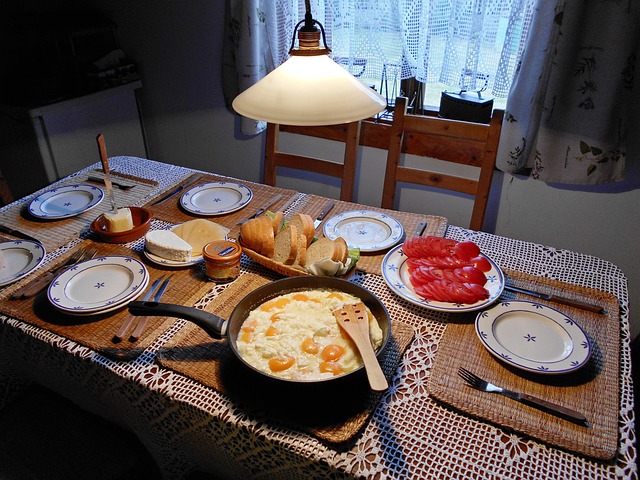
222	260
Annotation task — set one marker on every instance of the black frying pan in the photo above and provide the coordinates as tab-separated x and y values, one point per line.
218	327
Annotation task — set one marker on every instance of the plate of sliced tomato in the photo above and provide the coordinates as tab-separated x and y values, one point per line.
443	274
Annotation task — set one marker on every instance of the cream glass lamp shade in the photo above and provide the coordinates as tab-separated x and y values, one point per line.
309	90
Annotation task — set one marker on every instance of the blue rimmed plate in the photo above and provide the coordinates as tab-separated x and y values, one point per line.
98	285
19	258
64	202
368	230
216	198
395	272
533	337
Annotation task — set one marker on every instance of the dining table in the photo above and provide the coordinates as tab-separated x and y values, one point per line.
196	408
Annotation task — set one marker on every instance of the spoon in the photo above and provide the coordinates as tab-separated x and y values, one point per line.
354	319
107	178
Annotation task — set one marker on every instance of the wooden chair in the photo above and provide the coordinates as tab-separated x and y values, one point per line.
348	133
466	143
6	196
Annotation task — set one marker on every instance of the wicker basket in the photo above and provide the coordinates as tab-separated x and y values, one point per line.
277	267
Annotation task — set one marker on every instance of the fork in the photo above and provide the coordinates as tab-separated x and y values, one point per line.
566	413
41	283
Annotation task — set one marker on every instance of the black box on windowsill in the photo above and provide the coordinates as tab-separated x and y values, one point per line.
467	106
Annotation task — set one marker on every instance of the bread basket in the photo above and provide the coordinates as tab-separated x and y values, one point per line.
277	267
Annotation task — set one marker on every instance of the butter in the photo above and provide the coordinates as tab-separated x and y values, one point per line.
120	221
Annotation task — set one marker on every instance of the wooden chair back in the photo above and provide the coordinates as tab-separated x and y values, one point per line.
6	197
466	143
346	171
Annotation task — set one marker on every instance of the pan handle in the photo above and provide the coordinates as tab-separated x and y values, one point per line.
215	326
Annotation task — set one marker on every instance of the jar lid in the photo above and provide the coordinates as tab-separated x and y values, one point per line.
222	251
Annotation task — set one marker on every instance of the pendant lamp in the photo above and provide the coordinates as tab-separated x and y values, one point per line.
309	88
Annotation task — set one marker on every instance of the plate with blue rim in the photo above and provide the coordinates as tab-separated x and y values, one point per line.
395	271
64	202
98	285
533	337
19	258
368	230
216	198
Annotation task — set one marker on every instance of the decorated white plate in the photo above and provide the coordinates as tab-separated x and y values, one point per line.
367	230
19	258
216	198
171	263
395	272
65	201
533	337
98	285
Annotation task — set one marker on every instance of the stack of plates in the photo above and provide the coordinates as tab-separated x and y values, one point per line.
98	285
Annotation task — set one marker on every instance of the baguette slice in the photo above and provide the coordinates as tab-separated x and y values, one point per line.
286	245
277	221
301	257
267	238
321	249
304	224
342	250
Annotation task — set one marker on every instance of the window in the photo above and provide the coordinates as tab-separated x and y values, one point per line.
419	48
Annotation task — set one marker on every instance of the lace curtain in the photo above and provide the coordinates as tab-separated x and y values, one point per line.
459	44
568	109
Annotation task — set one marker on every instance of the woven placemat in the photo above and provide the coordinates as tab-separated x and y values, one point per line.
56	233
592	390
97	331
372	262
170	210
334	412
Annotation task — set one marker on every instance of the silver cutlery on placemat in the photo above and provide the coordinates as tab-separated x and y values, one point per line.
323	213
558	410
590	307
263	208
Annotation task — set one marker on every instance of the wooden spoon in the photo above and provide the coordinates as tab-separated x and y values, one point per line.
354	319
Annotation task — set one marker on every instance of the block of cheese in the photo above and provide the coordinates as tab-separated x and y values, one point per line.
166	244
120	221
199	232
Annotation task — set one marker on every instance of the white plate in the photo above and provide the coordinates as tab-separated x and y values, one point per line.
533	337
395	272
171	263
66	201
20	257
365	229
116	306
216	198
98	285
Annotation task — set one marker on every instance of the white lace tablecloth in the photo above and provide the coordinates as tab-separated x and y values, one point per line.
188	427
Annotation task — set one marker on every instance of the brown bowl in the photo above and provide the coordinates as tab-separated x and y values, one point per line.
141	223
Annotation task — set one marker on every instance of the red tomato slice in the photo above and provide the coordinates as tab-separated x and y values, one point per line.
471	274
481	263
466	250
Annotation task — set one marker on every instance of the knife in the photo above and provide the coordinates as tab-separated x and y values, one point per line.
190	181
19	234
143	321
323	213
263	208
590	307
107	177
422	226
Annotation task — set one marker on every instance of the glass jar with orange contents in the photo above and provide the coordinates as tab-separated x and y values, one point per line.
222	260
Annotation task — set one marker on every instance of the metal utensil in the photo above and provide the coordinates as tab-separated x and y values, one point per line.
130	318
107	177
187	183
327	208
354	319
558	410
43	281
422	226
18	233
590	307
263	208
142	321
101	180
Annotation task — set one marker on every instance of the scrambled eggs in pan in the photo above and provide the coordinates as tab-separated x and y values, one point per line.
295	336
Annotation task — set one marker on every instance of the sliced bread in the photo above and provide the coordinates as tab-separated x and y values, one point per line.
342	250
278	218
267	238
321	249
286	245
301	257
304	223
